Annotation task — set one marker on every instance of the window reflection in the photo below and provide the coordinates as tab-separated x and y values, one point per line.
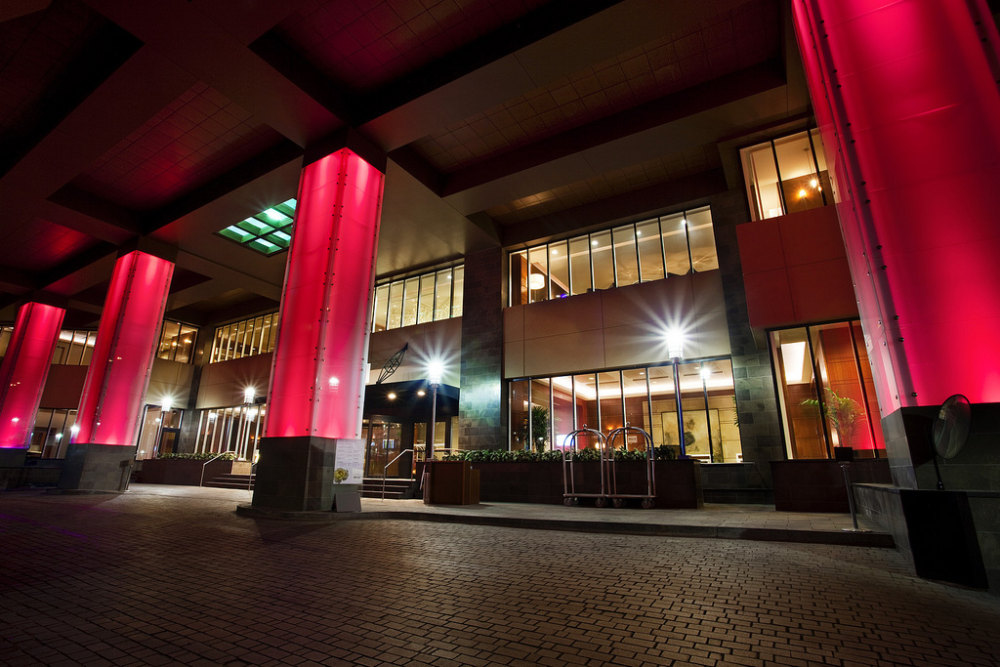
672	245
826	391
642	397
786	175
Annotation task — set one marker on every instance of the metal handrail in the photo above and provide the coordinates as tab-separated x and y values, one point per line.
386	467
201	482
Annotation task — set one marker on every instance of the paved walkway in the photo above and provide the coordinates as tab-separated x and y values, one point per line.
172	575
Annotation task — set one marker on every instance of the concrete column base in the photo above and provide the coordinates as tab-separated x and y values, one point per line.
12	457
98	468
297	475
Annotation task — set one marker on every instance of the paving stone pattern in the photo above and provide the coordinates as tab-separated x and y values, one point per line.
145	579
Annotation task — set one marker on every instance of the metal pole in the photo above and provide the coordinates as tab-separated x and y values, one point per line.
429	449
850	494
680	408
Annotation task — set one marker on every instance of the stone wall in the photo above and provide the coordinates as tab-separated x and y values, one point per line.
482	405
753	375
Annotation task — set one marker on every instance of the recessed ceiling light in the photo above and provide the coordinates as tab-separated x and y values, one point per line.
267	232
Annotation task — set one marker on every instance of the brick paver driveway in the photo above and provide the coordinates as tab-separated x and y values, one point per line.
150	579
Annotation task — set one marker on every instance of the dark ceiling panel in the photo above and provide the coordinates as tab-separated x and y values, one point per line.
41	245
198	137
727	43
49	61
365	45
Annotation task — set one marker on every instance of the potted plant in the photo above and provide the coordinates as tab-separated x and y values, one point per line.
843	412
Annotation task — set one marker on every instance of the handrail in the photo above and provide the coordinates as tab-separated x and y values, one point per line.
201	482
386	467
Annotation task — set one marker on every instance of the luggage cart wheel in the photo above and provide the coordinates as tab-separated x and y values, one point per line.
647	503
618	502
571	502
601	502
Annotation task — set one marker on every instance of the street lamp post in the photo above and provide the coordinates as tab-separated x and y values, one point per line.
675	348
434	372
165	408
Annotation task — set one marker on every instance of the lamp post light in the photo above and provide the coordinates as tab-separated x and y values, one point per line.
243	435
435	370
675	348
165	407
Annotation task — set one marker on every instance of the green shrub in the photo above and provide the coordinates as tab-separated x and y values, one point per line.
195	456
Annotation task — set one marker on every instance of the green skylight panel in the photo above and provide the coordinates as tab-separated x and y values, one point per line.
267	232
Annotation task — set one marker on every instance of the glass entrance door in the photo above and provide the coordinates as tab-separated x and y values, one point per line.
383	446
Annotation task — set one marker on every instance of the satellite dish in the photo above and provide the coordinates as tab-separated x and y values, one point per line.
950	430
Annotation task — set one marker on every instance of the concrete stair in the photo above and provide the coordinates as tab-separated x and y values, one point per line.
231	481
395	489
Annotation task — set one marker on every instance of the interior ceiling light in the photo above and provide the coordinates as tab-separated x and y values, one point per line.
536	281
267	232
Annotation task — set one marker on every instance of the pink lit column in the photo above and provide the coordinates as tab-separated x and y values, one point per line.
22	376
104	436
319	370
906	97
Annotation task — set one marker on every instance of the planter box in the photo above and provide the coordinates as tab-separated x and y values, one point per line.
817	485
186	472
678	483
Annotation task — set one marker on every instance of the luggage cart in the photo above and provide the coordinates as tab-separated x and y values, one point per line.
648	498
570	496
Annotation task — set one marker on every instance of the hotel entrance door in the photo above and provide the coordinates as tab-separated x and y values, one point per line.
383	446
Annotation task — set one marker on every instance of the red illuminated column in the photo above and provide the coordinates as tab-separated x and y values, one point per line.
320	359
112	399
319	370
905	93
24	369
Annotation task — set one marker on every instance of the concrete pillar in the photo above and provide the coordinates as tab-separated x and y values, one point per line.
22	376
906	98
319	369
482	412
103	440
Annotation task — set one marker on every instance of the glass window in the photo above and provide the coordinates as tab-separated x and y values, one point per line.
519	408
702	240
558	269
88	352
519	278
786	175
579	265
177	342
381	308
609	393
425	302
459	286
410	291
538	275
540	424
826	395
602	261
626	257
636	407
74	347
674	230
650	250
396	305
442	295
5	334
562	410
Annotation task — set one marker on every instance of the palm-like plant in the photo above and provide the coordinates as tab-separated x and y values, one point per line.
842	411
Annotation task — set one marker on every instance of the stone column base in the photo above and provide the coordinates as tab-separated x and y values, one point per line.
297	474
12	457
99	468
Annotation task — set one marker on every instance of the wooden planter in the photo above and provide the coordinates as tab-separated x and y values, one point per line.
678	483
186	472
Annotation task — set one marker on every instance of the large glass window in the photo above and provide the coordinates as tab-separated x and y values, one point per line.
826	392
642	397
786	175
428	297
256	335
177	341
51	433
672	245
74	347
234	429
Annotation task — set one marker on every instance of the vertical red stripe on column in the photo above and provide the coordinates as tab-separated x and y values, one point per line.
113	392
916	109
320	360
24	369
